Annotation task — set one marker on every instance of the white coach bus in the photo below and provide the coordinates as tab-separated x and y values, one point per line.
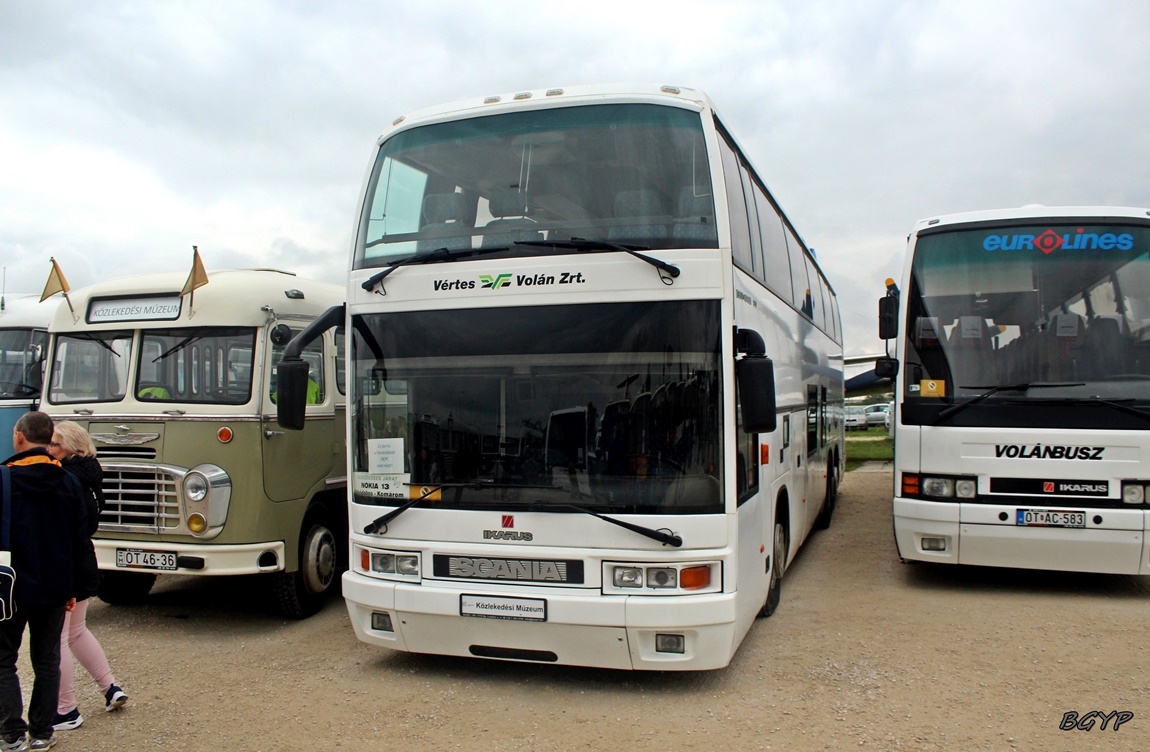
179	394
558	303
23	345
1022	427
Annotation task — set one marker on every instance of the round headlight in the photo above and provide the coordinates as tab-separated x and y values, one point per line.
197	523
196	487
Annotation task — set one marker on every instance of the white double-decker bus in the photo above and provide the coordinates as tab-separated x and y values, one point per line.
1022	431
595	384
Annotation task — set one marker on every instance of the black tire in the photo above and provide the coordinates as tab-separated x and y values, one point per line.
302	593
823	521
123	588
779	547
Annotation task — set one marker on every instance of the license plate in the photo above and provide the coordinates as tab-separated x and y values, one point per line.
1050	518
499	607
134	558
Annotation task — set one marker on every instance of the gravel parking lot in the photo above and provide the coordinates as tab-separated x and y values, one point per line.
864	652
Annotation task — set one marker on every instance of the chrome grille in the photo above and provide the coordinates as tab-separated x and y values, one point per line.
126	452
141	498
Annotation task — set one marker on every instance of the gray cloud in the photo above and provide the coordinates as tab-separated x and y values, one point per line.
131	131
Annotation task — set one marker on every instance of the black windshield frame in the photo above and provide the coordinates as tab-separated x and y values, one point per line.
1060	305
631	173
616	407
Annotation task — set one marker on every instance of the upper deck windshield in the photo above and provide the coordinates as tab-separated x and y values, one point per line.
21	356
613	407
1057	312
623	173
188	365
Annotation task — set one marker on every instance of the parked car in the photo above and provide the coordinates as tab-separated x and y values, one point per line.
876	415
855	418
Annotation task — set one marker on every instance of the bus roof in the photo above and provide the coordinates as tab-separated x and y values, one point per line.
25	311
567	96
1032	211
231	297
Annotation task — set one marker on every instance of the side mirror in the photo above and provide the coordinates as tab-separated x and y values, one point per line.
888	317
281	334
886	368
756	381
291	393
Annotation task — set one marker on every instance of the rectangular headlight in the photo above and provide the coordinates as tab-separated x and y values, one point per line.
937	487
628	577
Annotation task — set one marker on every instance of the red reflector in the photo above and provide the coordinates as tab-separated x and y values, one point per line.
910	484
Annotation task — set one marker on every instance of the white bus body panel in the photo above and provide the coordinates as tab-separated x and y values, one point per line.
583	628
1114	540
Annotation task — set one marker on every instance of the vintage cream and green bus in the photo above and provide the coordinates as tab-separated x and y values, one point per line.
178	392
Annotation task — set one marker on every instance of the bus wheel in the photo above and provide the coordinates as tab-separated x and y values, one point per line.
823	521
778	563
120	588
301	593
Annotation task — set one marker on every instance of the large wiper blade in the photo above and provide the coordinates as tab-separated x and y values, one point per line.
592	246
1099	401
427	257
379	525
178	346
992	390
665	537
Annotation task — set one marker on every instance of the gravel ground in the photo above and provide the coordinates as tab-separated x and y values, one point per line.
864	652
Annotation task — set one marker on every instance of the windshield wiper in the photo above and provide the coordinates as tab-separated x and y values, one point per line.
179	346
667	538
991	390
428	257
1099	401
379	525
592	246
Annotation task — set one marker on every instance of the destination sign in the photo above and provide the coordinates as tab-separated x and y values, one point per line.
153	308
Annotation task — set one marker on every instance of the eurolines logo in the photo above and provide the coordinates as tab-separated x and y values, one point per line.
1051	241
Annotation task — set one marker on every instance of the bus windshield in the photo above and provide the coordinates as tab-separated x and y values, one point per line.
1056	311
21	352
634	174
192	365
612	407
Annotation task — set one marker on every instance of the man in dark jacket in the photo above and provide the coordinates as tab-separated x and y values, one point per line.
49	540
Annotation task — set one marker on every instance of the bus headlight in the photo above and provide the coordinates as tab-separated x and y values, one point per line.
1133	493
207	493
938	487
628	577
663	578
196	487
391	565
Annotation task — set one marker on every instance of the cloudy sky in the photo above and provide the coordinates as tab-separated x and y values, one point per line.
131	131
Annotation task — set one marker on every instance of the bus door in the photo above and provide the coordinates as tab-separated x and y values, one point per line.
816	459
294	461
